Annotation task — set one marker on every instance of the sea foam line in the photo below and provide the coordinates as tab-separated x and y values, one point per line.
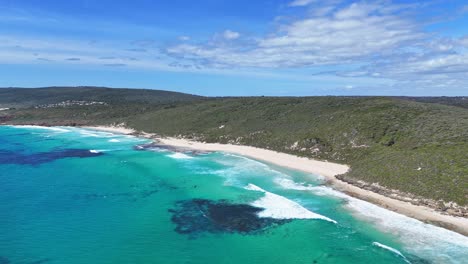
377	244
418	237
98	134
279	207
236	168
56	129
179	155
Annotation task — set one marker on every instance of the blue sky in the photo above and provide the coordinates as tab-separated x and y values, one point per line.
238	47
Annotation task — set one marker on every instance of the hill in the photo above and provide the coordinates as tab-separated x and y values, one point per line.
23	97
412	149
460	101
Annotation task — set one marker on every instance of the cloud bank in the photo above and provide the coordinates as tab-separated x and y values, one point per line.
372	44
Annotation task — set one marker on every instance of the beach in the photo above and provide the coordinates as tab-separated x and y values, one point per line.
329	170
112	129
326	169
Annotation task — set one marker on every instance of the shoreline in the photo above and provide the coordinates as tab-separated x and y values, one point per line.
112	129
326	169
329	170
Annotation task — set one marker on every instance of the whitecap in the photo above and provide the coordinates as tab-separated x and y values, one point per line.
237	168
114	140
55	129
279	207
418	237
245	163
94	151
292	185
88	133
318	190
179	155
395	251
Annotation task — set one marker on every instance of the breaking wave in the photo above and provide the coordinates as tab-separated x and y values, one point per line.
279	207
55	129
396	252
419	237
179	155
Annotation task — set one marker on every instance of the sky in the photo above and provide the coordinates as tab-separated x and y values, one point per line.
239	47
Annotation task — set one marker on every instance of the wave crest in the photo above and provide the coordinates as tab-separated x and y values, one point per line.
279	207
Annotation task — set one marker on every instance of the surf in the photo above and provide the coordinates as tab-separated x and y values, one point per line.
279	207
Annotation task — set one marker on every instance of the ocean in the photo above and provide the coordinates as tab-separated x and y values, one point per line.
71	195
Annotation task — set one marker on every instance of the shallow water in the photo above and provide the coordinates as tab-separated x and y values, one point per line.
71	195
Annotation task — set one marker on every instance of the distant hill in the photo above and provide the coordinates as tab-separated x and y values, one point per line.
460	101
414	148
27	97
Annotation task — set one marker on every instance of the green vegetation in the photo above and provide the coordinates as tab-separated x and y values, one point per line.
21	97
414	145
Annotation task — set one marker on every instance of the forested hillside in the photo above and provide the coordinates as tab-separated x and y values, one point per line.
411	147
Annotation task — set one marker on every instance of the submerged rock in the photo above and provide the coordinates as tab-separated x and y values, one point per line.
11	157
200	215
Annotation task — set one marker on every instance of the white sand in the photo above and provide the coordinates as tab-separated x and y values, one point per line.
112	129
329	170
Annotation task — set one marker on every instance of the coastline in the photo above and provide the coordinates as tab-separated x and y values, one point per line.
112	129
329	170
326	169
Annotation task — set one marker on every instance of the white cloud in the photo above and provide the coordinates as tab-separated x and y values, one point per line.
40	51
373	41
184	38
464	41
230	35
351	34
464	9
301	2
427	65
362	39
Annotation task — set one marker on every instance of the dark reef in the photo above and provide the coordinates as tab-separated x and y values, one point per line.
11	157
196	216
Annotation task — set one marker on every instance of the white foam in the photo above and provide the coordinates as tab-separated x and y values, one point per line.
56	129
237	168
318	190
377	244
291	185
419	238
279	207
114	140
179	155
245	163
94	151
88	133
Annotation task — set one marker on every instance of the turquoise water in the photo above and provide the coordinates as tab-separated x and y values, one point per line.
71	195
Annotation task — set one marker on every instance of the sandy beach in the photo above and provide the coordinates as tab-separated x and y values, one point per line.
329	170
326	169
112	129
